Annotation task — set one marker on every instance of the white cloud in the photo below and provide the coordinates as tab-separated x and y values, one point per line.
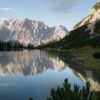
7	9
61	6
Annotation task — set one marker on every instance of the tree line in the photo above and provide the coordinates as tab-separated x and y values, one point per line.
14	45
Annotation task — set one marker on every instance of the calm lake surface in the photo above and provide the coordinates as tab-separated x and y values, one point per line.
35	73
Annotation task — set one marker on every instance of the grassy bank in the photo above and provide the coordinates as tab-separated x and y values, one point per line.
85	54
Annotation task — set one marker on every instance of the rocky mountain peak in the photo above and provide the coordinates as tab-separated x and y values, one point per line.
28	31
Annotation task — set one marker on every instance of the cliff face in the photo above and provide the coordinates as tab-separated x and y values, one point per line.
30	32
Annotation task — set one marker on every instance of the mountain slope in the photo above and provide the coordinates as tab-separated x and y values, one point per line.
30	32
86	34
93	16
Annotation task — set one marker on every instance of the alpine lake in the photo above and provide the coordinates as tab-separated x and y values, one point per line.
34	73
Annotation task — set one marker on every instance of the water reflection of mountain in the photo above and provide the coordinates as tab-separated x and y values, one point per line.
28	63
35	62
95	84
79	70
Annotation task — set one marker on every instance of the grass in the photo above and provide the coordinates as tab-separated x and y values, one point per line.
85	54
85	23
97	6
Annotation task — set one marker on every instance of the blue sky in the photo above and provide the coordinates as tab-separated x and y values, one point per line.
51	12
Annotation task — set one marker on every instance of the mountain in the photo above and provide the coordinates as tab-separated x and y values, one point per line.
30	32
92	17
85	33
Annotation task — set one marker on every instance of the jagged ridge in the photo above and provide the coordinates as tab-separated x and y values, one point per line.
30	32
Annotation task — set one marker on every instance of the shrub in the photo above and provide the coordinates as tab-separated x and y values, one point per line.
96	55
30	98
66	93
